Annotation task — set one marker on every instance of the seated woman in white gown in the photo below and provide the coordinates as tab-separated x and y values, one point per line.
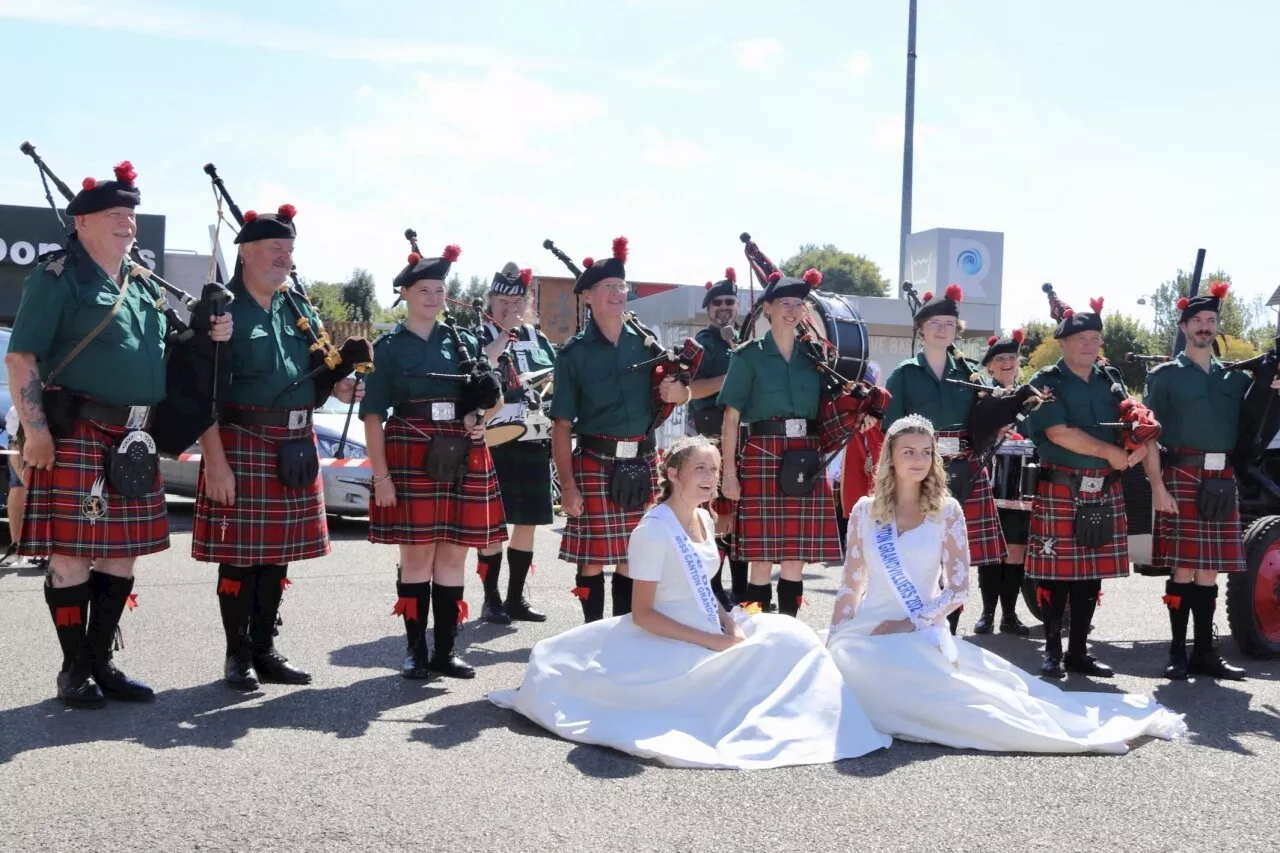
907	568
681	680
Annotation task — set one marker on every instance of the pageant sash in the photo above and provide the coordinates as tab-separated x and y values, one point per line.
885	553
694	571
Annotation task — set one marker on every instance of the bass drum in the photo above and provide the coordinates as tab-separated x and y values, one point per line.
836	322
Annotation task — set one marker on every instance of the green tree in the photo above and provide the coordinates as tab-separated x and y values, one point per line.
464	294
328	302
1035	332
842	272
359	297
1122	334
1233	319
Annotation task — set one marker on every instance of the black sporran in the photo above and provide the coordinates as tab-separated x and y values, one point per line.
960	478
709	421
447	458
798	472
631	484
1095	525
1216	498
132	464
297	464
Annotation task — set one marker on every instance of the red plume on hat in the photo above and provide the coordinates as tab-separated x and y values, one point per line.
588	262
927	297
526	276
451	252
775	276
286	212
1096	304
620	249
1058	310
1018	336
812	277
954	292
993	340
125	173
709	285
1218	290
730	274
1182	303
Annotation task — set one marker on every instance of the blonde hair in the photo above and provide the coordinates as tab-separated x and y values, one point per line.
933	491
676	457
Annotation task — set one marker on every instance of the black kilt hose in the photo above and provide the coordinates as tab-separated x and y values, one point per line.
524	479
269	523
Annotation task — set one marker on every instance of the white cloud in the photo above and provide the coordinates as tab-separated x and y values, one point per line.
889	134
756	54
859	64
671	153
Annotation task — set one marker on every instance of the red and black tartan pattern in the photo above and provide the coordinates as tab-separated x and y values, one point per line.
600	536
838	422
1052	552
60	503
771	526
981	516
429	511
1187	541
268	523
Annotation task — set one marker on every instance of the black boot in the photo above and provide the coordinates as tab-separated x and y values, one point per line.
761	594
739	572
518	607
272	666
1010	589
414	604
489	568
953	619
443	660
1052	598
69	607
1084	601
235	600
621	590
590	591
1205	660
989	578
110	595
1178	597
790	595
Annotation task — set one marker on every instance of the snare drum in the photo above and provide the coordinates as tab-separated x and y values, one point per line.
836	322
1015	471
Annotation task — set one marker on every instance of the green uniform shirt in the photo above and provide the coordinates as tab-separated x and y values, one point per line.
592	391
532	353
1198	410
269	352
715	362
761	384
1076	403
400	357
63	300
917	390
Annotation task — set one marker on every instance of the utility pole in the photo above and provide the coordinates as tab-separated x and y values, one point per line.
907	145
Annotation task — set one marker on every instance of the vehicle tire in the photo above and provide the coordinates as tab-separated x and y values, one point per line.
1253	596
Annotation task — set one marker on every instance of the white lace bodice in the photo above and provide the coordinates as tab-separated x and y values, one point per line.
935	556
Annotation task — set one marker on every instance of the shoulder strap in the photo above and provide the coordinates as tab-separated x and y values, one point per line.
115	309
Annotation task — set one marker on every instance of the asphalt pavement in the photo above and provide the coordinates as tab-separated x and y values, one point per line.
364	760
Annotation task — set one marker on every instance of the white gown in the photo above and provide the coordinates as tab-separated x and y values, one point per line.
774	700
911	690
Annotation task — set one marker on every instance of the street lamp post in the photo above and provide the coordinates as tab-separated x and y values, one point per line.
907	143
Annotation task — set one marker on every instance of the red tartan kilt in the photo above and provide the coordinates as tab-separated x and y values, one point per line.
1187	541
770	526
1053	524
268	523
600	536
838	422
56	519
982	518
429	511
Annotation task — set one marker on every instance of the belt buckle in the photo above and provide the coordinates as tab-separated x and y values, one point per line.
297	418
137	417
797	428
1215	461
443	411
626	449
1091	485
949	445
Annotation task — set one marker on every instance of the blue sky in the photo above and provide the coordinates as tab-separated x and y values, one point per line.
1107	140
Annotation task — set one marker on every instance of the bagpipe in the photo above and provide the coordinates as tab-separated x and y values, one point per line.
914	304
329	364
1259	410
577	273
197	368
1137	423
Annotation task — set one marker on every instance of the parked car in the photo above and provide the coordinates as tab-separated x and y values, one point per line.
346	480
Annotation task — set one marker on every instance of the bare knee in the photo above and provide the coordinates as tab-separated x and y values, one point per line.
590	570
449	566
68	571
792	570
415	563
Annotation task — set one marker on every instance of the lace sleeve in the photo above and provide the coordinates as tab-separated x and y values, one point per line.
853	583
955	565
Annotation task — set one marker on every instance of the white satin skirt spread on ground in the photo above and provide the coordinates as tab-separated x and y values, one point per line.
774	700
910	686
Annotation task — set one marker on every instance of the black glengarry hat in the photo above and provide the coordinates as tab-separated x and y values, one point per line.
1212	302
782	286
948	305
268	226
728	286
1011	345
595	272
420	269
96	196
1071	322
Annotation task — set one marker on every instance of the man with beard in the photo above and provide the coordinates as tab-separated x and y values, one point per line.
1197	525
86	360
258	507
610	480
707	417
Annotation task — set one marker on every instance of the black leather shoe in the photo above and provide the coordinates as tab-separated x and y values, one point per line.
417	666
1087	665
239	672
116	685
1177	666
521	611
1213	665
77	689
1051	667
985	624
494	611
452	666
274	668
1011	624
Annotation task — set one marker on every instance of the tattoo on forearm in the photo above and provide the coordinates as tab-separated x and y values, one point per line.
32	395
